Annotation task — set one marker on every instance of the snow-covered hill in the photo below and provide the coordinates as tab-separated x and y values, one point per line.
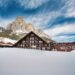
14	61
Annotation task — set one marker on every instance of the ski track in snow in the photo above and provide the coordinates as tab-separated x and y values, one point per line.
14	61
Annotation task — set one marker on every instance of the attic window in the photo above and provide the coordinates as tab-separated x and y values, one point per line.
32	34
36	38
31	38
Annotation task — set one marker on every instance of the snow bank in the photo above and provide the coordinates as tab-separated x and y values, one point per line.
6	40
14	61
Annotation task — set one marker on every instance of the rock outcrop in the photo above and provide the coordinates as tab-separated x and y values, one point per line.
19	26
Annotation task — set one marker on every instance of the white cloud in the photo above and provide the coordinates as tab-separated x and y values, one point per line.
4	3
31	3
4	22
63	29
64	38
66	28
70	8
41	20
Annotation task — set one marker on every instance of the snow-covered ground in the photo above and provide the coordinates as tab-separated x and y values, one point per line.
7	40
15	61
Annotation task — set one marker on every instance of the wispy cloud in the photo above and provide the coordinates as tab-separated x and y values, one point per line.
4	22
31	3
41	20
70	8
64	38
4	3
57	32
57	16
66	28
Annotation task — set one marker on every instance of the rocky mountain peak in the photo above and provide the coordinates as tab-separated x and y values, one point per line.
29	27
19	26
20	20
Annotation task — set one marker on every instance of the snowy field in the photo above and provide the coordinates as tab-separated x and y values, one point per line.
15	61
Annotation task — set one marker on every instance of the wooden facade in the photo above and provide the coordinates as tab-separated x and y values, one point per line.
2	44
33	41
64	46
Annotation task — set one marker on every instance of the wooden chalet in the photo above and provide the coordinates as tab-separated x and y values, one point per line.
34	41
64	46
2	44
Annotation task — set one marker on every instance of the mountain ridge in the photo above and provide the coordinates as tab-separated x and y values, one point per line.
19	28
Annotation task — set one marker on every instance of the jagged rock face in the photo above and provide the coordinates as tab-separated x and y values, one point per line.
19	27
29	27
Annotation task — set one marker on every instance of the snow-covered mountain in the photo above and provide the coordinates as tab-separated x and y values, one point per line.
19	26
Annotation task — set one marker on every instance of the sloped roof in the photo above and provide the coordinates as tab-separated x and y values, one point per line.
46	40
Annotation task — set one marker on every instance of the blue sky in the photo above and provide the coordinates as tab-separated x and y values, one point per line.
55	17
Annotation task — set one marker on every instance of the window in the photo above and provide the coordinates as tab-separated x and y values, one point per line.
36	41
48	47
36	38
27	38
40	41
63	47
31	41
69	46
23	42
73	47
43	48
26	41
18	44
32	34
21	45
45	44
33	46
31	38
